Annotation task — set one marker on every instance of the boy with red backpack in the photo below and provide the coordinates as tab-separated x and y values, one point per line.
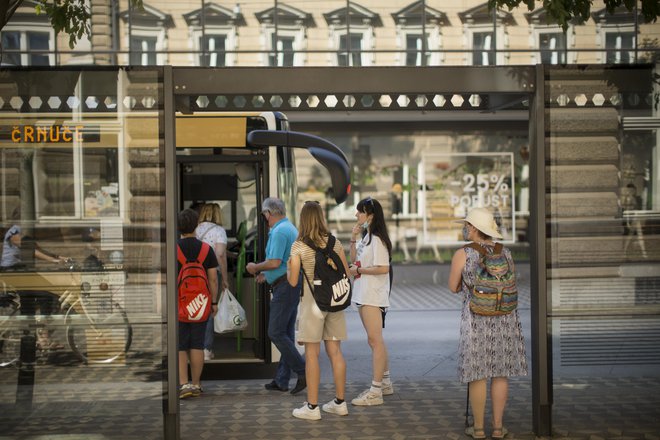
197	286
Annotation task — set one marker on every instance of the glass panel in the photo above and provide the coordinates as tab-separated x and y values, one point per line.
11	41
83	197
482	46
603	217
553	47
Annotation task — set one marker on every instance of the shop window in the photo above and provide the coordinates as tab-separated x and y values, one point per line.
214	34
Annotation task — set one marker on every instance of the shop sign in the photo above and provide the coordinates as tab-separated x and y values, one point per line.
453	183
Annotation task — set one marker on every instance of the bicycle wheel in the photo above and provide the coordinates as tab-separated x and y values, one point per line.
101	337
10	347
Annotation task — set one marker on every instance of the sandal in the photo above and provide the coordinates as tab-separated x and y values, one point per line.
501	431
476	433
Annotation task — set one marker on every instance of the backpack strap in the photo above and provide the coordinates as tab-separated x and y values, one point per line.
476	247
203	252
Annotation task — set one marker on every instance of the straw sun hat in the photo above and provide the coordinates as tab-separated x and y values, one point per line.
482	219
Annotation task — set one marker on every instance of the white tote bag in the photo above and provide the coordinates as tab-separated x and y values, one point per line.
231	316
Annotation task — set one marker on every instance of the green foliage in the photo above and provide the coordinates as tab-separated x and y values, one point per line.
71	17
563	12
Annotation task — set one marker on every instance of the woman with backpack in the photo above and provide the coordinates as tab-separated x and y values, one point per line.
491	342
314	324
210	231
371	251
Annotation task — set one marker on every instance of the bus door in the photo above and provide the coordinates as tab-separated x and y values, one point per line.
237	183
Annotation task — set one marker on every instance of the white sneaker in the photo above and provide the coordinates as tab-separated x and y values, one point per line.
332	407
388	389
208	355
368	398
308	414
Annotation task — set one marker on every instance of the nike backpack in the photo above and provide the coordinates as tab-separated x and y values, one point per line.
332	288
193	285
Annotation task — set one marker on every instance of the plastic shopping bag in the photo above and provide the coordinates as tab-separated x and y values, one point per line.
231	316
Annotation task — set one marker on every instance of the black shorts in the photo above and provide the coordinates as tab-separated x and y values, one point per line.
191	335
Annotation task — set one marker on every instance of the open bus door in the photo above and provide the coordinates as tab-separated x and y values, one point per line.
236	160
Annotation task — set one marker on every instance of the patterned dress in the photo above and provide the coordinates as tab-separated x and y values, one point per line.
490	346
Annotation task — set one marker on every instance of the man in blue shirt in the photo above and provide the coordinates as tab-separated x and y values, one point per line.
284	302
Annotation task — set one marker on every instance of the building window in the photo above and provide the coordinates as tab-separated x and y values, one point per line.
552	46
349	50
143	51
283	32
284	51
486	35
550	43
616	34
213	34
33	46
482	49
418	33
147	35
352	35
620	47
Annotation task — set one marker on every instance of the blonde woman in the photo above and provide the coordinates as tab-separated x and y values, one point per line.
210	231
315	325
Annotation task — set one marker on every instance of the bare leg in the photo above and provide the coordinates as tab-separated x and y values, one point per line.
196	365
372	319
499	393
478	402
312	371
183	367
333	350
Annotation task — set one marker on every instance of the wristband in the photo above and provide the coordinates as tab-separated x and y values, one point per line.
214	303
357	269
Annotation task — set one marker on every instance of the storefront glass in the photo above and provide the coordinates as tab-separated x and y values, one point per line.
82	299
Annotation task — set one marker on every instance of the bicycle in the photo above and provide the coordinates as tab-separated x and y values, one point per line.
10	338
96	326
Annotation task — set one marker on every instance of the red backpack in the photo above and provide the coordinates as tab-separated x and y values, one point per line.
193	286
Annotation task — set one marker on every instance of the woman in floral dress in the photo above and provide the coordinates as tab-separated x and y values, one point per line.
490	347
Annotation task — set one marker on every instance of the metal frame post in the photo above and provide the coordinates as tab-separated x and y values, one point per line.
170	360
541	336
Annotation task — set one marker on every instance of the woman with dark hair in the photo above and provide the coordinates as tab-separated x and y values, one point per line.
371	251
315	325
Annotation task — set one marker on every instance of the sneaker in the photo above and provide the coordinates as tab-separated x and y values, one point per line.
208	355
304	412
332	407
185	391
388	389
196	390
368	398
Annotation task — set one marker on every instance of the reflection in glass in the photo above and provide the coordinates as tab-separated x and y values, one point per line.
553	47
620	47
